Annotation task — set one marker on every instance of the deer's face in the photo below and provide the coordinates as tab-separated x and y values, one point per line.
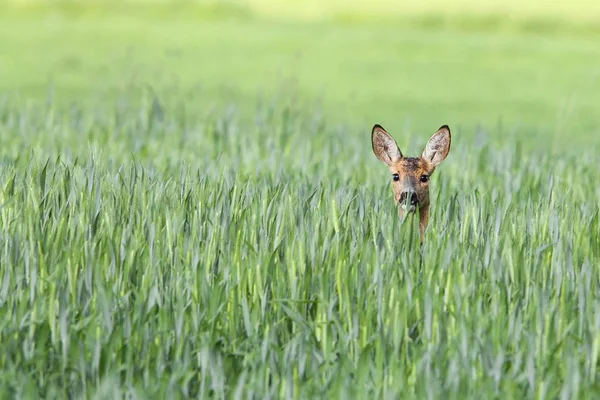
410	175
410	183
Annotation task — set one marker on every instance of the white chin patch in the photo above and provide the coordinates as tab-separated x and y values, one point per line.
408	208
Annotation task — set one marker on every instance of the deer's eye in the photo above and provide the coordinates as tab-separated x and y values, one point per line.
424	178
396	177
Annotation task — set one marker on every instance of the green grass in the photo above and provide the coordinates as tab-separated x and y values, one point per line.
274	263
193	209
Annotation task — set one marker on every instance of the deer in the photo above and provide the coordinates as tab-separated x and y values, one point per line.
411	175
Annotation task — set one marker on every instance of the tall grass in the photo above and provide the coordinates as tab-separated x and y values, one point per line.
154	254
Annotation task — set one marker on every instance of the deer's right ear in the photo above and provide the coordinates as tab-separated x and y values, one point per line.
384	146
438	146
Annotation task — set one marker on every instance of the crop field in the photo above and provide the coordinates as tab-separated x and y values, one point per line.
190	206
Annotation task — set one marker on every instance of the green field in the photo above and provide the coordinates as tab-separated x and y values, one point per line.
190	206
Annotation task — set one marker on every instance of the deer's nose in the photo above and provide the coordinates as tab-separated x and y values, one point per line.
409	195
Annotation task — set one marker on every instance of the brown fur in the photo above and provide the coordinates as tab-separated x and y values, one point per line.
410	170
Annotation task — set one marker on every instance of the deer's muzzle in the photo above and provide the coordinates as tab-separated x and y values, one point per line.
409	201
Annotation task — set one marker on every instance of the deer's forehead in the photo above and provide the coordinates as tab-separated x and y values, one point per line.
411	166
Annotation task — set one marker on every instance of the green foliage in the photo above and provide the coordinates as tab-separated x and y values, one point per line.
190	207
275	264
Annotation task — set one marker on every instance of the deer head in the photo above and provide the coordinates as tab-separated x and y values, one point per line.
410	175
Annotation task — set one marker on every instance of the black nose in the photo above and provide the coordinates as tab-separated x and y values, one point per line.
413	198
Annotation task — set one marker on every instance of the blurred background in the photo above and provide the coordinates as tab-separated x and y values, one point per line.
509	67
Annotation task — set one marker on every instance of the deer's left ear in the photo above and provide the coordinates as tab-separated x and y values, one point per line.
437	147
